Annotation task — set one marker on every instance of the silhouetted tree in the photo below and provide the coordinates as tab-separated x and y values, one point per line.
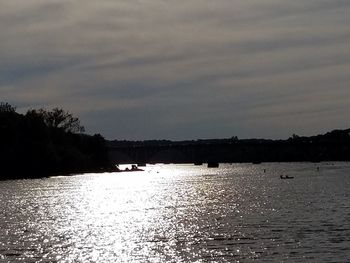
42	143
294	137
6	107
61	119
234	139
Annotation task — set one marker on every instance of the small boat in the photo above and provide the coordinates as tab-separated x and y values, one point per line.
134	168
213	165
198	163
286	177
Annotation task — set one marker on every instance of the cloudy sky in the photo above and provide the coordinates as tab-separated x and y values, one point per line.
161	69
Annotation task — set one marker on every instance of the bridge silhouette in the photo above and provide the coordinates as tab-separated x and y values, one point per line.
155	154
254	151
184	153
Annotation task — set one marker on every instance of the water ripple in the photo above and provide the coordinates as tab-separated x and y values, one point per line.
180	213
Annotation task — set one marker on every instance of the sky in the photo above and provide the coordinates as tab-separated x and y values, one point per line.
161	69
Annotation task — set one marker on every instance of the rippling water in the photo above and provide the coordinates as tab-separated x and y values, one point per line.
180	213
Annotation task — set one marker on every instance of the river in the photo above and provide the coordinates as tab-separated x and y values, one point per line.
181	213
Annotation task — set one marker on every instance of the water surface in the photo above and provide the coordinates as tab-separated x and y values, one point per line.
181	213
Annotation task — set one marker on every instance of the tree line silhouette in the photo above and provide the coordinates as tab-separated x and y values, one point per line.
43	142
331	146
47	142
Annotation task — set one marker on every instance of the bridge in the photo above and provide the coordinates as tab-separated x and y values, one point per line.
154	154
185	153
230	152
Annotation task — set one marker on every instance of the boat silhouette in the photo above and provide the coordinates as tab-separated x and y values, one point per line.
286	177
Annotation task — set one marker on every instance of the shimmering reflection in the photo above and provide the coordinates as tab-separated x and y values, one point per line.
180	213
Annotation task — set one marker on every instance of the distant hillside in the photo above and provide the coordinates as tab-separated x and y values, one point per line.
332	146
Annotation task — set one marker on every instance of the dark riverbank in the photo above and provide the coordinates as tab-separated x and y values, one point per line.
43	143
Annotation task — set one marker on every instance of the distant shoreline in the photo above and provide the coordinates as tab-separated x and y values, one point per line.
332	146
42	143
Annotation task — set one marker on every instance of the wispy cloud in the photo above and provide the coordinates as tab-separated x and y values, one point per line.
164	69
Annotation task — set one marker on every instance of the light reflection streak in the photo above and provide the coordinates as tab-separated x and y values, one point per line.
166	213
140	213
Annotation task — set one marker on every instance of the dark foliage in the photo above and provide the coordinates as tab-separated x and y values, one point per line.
43	143
59	119
332	146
